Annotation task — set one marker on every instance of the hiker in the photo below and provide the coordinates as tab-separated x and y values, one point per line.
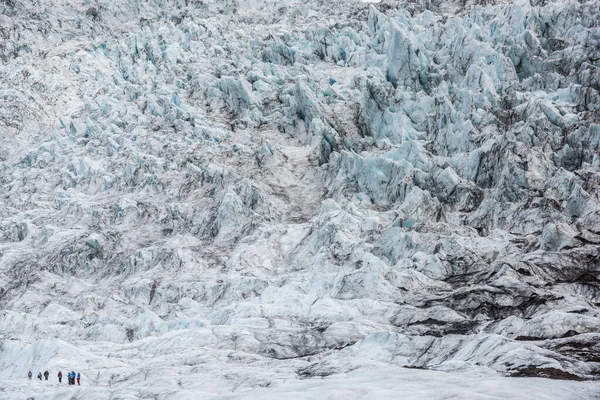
78	378
40	376
46	374
69	377
73	377
59	376
29	375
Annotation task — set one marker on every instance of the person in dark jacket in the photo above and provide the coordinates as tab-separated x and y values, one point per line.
40	376
46	374
29	375
59	376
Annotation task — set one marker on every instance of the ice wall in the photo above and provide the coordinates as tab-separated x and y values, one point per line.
258	186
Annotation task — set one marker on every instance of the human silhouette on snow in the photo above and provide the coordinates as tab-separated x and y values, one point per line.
29	375
46	374
59	376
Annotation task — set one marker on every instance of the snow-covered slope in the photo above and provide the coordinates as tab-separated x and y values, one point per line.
221	196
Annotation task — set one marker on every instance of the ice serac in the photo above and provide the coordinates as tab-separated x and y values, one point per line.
230	197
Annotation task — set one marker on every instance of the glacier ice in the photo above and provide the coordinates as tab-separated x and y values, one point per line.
264	199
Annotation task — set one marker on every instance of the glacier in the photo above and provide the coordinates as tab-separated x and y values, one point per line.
245	199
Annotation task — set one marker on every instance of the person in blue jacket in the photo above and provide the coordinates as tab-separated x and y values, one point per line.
78	378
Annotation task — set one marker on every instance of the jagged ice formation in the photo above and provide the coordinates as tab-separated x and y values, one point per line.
211	197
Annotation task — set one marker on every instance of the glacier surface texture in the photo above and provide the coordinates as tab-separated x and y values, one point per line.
315	199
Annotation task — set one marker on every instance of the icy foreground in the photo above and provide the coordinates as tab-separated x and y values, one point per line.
267	199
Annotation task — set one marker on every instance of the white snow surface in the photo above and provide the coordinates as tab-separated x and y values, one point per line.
247	199
368	382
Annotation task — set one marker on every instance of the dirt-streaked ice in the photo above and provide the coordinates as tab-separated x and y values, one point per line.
262	199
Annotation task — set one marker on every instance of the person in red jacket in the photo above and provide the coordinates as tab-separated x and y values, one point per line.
59	376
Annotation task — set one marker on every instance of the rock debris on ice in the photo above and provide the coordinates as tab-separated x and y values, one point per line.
262	199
